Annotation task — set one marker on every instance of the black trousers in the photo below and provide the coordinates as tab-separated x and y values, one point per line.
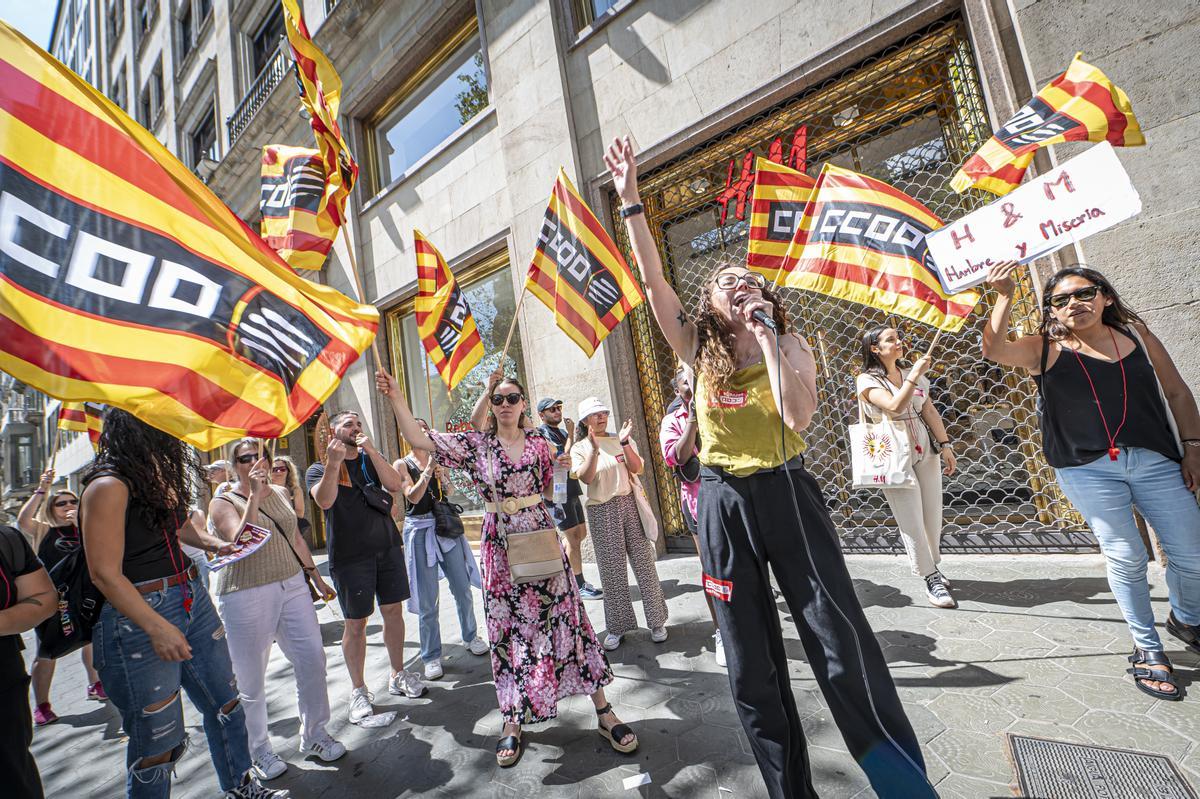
19	773
746	524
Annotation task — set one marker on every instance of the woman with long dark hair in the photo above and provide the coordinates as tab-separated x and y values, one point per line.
886	391
543	645
285	473
48	520
1121	429
758	509
158	632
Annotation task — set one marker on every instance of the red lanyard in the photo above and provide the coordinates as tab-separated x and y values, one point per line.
1113	452
179	571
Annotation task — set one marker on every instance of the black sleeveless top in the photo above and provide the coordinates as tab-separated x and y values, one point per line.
433	489
57	543
150	554
1072	431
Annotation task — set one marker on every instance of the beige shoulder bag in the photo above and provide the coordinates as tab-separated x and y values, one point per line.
533	556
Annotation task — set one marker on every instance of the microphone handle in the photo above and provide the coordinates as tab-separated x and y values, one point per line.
761	317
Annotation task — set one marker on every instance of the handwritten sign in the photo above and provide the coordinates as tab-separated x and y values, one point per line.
1087	194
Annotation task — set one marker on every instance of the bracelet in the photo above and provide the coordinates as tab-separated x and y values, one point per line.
39	491
312	569
1190	442
910	380
624	442
632	210
947	444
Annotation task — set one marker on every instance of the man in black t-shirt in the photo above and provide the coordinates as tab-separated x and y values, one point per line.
366	557
569	517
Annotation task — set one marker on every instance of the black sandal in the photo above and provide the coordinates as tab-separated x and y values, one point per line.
618	732
512	742
1143	657
1188	633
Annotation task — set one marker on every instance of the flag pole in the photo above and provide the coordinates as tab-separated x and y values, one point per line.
54	449
512	327
428	391
932	344
362	295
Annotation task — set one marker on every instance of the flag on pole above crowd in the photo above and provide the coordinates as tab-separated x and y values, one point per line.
1081	104
125	280
864	241
776	208
82	417
298	221
578	272
443	317
321	96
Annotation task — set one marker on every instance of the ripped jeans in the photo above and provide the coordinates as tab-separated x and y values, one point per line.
135	679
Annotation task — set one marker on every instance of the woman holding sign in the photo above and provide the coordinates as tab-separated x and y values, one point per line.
886	391
264	598
1121	428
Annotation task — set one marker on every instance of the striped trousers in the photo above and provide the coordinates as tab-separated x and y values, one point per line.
617	537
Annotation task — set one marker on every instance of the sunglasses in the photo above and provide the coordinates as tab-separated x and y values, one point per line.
279	469
244	459
751	280
66	503
512	399
1061	300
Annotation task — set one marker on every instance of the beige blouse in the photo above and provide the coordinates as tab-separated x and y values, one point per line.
275	561
612	476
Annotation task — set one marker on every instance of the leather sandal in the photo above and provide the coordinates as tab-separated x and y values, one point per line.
1144	662
1188	633
510	742
615	734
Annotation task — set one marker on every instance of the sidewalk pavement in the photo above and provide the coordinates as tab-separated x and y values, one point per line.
1037	647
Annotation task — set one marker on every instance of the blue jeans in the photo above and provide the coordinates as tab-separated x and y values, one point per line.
135	679
1105	492
423	580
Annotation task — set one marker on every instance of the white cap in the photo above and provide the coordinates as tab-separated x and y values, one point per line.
591	405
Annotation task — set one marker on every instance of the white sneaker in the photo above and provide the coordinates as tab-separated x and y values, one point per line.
611	642
433	670
479	646
360	705
268	765
720	648
936	593
323	746
406	683
658	635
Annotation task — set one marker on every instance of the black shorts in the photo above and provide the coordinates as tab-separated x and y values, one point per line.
362	581
568	515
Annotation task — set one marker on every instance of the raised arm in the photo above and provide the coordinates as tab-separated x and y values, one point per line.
664	302
479	413
1025	352
27	521
409	429
389	478
894	402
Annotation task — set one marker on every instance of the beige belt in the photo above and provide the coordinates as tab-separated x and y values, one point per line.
511	505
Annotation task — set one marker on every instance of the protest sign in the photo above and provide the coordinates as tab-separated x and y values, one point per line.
1087	194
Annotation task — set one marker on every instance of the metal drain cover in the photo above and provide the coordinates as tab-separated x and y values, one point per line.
1048	769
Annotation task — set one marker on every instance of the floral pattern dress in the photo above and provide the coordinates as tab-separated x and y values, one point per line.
543	645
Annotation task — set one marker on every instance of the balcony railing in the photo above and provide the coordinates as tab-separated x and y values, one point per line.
256	96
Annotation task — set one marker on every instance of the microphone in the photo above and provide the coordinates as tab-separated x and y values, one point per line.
761	317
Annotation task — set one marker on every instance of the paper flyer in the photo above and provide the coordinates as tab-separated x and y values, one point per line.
250	540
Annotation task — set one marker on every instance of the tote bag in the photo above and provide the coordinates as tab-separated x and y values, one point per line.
880	454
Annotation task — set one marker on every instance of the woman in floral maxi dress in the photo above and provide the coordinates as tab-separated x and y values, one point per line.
543	645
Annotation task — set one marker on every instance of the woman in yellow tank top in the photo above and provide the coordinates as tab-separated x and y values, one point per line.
759	508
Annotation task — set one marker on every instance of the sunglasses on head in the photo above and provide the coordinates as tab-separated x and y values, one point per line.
1061	300
512	398
730	280
65	503
248	458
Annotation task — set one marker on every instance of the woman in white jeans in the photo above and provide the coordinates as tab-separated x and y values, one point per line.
263	598
885	390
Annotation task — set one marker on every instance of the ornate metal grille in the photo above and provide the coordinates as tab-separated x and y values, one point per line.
908	116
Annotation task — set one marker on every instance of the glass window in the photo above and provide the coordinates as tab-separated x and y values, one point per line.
492	304
22	460
203	9
588	11
203	139
264	43
186	34
447	100
118	88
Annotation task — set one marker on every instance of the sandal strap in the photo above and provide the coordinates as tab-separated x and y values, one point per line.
508	742
600	711
1157	675
619	732
1150	657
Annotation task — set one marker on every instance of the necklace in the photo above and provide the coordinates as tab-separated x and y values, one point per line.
1113	451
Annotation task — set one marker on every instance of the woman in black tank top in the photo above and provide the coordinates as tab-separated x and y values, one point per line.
1121	429
48	521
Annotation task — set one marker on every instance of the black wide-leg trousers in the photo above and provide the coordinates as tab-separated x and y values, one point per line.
746	524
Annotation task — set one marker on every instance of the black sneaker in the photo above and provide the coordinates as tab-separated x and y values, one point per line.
937	593
251	788
1188	633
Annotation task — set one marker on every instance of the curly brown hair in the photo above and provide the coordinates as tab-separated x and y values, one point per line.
715	360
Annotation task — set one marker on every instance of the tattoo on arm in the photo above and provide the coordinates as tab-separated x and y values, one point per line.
30	600
681	318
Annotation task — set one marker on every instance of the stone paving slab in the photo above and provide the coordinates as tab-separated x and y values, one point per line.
1037	647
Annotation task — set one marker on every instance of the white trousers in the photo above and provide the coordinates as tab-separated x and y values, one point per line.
918	513
256	617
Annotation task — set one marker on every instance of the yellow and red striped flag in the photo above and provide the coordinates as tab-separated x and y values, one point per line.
578	272
776	209
297	219
82	417
1081	104
125	280
321	96
864	241
444	319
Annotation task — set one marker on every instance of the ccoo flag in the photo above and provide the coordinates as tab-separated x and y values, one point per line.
776	209
1081	104
124	280
82	417
321	95
444	319
578	272
864	241
297	220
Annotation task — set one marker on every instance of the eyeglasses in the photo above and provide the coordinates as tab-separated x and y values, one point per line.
751	280
1061	300
278	469
245	459
512	399
66	503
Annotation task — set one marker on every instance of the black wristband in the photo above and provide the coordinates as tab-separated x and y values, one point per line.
624	442
632	210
